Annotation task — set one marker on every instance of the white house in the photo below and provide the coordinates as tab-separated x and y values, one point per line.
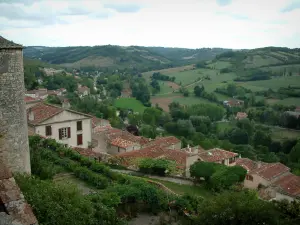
66	126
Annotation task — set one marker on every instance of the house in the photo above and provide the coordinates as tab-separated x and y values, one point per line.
13	207
217	155
293	113
65	103
182	159
66	126
169	142
233	103
261	174
297	109
241	115
29	101
83	91
41	93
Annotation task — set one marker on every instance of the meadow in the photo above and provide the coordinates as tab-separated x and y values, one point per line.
129	103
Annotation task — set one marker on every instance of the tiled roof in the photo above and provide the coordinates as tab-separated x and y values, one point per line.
30	99
83	88
270	171
17	209
85	152
289	184
4	43
246	163
164	141
216	154
42	112
96	121
122	143
125	135
157	152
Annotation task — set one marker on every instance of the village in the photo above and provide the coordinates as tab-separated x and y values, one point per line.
95	138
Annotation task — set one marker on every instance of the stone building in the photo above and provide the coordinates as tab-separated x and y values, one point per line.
14	149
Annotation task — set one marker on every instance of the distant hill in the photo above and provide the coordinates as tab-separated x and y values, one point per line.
262	57
110	56
185	55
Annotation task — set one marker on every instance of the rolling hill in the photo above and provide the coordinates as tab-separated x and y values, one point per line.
110	56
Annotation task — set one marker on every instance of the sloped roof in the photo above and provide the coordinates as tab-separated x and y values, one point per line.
270	171
4	43
96	121
289	184
83	89
216	154
246	163
28	99
10	195
125	135
122	143
42	112
164	141
158	152
241	115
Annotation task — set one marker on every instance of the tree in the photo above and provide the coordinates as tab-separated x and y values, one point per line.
295	153
261	138
198	90
238	136
202	170
243	208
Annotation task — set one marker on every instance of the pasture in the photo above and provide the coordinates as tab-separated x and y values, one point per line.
283	134
129	103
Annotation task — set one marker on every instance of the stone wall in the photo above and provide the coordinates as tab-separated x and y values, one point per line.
14	148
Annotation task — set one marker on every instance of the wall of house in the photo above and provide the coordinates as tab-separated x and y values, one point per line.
114	150
14	149
256	181
280	197
72	141
101	142
190	160
176	146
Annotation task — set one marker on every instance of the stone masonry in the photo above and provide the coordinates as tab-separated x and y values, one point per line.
14	149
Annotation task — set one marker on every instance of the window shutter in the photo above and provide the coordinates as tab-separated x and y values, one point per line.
69	132
79	139
50	130
60	134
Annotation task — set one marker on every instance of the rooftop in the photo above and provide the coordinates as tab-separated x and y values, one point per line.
289	184
241	115
164	141
4	43
158	152
18	211
270	171
216	155
28	99
122	143
42	112
246	163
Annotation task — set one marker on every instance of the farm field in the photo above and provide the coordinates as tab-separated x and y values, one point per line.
167	87
129	103
192	100
164	101
286	101
282	134
169	70
220	65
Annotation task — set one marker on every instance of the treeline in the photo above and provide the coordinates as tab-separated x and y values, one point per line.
159	76
253	75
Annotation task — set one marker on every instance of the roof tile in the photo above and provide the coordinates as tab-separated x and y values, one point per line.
42	112
289	184
216	155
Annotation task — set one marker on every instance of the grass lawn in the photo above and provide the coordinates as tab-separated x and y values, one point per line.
220	65
192	100
288	101
222	126
183	188
164	87
282	134
129	103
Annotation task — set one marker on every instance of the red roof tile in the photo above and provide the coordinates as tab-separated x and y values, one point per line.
269	171
216	155
246	163
98	121
157	152
122	143
289	184
29	99
241	115
42	112
85	152
164	141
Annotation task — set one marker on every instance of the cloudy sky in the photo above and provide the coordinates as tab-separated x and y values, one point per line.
173	23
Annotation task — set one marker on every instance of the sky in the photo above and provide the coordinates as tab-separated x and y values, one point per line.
236	24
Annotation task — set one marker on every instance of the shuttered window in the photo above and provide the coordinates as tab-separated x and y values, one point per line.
64	133
79	125
48	130
79	139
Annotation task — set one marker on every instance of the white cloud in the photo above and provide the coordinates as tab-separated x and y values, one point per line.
176	23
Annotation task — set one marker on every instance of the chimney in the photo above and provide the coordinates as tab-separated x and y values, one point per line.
30	114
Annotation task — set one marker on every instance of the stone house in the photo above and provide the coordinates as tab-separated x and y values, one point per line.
169	142
217	155
29	101
66	126
233	103
241	115
83	91
126	93
41	93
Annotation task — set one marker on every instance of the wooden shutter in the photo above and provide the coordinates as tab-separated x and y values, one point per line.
79	139
60	134
69	132
48	130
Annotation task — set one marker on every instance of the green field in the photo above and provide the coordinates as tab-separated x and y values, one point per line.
286	101
220	65
192	100
129	103
222	126
282	134
164	87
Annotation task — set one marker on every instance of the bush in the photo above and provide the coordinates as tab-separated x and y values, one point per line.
156	166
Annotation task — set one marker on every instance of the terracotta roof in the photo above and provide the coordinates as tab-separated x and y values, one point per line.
164	141
125	135
10	195
83	88
216	154
122	143
270	171
30	99
289	184
241	115
4	43
96	121
158	152
246	163
85	152
42	112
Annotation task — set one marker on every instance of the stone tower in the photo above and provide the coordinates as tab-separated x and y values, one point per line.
14	149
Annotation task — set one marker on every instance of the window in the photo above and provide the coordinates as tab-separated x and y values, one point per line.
64	133
231	160
249	177
79	139
48	130
79	125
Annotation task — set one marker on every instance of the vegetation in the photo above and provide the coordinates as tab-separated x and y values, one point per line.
130	104
159	167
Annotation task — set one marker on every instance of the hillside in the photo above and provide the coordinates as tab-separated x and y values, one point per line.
109	56
184	55
98	57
